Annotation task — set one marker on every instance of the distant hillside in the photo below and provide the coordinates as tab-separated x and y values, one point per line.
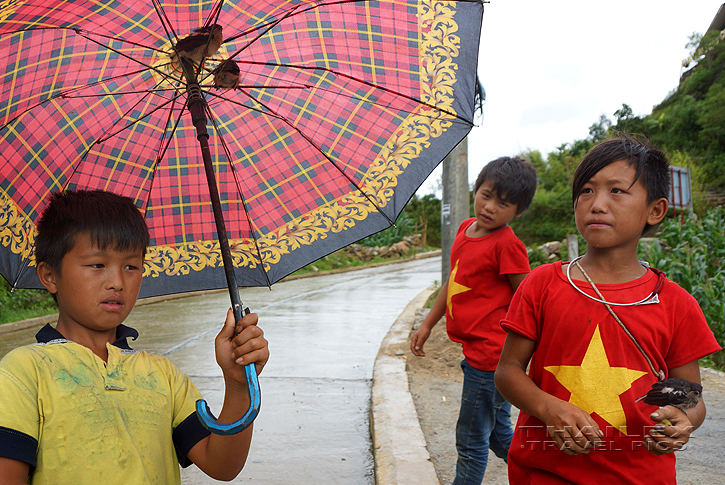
691	120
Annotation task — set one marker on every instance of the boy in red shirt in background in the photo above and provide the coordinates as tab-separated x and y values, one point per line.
488	263
585	371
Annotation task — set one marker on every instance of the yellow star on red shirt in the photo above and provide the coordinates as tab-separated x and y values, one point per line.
595	386
454	288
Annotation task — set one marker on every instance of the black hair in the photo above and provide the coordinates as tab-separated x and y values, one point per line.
514	181
110	220
651	166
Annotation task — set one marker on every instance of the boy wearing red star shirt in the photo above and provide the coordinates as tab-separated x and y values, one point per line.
597	332
488	263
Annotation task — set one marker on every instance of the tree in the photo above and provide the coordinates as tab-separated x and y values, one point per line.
426	212
599	130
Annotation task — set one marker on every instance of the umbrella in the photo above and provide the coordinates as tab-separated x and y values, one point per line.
305	125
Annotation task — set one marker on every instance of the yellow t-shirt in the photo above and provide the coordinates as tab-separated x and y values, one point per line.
96	422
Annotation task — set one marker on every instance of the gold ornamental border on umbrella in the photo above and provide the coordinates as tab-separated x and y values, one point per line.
439	48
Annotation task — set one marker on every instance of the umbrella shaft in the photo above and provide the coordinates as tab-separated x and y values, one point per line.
220	227
197	109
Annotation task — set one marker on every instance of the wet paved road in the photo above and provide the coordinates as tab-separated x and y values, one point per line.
324	334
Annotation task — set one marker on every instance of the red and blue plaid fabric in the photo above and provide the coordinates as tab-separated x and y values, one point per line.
343	109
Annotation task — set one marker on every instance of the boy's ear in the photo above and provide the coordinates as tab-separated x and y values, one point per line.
46	275
658	211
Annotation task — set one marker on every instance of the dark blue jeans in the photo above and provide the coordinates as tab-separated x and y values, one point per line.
484	422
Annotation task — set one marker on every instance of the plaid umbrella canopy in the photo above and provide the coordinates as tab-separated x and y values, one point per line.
331	115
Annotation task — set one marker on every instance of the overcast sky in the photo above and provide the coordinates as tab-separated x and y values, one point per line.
552	68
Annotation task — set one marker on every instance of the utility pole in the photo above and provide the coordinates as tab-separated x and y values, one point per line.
455	201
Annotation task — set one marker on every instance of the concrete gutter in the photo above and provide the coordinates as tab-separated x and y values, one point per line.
399	447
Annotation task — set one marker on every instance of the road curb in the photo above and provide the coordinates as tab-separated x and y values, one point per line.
399	447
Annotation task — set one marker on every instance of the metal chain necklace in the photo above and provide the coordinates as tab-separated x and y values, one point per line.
651	298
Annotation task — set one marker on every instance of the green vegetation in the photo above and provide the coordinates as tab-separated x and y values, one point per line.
692	254
404	226
551	215
426	213
22	304
691	120
336	260
432	298
340	259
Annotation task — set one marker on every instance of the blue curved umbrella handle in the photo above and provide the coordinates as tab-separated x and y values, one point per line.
210	422
197	106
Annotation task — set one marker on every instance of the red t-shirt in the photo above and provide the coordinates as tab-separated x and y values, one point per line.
584	357
479	292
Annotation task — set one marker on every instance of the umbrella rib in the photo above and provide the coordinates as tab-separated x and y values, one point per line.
239	191
265	27
311	87
274	114
104	137
146	115
148	66
269	27
211	116
299	9
162	153
367	83
117	39
164	20
296	10
120	93
216	10
66	94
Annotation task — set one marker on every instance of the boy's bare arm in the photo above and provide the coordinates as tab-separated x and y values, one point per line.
668	439
13	472
573	430
223	457
434	316
516	279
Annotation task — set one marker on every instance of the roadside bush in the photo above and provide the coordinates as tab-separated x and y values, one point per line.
404	226
692	254
537	257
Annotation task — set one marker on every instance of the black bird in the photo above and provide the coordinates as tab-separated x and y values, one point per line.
676	392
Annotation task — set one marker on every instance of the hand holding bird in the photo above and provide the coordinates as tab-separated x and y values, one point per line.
666	436
676	392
